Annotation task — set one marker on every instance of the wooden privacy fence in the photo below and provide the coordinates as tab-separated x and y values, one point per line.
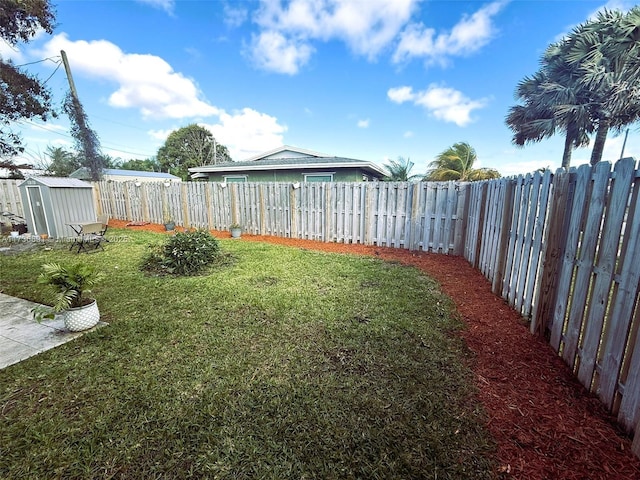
10	200
564	250
417	216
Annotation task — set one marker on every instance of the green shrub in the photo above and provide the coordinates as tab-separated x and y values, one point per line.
185	253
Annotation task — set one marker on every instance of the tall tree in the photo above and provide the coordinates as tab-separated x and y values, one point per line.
607	53
587	82
400	170
190	146
22	96
456	163
549	106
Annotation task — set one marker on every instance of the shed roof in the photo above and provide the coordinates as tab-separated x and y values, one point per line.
59	182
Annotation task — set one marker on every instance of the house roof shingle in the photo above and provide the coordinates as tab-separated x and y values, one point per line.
288	163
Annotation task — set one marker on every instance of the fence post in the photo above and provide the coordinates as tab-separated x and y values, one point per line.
293	220
481	210
462	214
505	227
555	241
144	202
635	446
186	222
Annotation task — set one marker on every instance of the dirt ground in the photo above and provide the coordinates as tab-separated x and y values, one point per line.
545	424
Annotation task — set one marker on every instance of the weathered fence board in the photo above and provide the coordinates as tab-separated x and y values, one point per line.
604	267
10	200
627	276
583	260
565	278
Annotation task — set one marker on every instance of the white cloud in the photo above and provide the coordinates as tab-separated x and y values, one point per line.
622	5
400	94
466	37
234	16
408	134
520	167
166	5
363	123
275	52
247	132
443	103
8	52
160	134
366	27
145	82
612	149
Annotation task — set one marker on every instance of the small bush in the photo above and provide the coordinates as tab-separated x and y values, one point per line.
185	253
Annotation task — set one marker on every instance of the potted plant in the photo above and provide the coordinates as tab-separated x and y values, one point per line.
236	230
68	287
168	223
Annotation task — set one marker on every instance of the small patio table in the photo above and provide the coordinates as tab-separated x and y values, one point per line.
87	233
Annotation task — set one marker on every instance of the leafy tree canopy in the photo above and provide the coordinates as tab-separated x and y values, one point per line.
190	146
22	96
146	165
456	163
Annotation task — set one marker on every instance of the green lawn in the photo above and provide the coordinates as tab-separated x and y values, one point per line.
285	363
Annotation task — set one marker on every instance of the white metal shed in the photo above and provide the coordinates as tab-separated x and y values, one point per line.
51	203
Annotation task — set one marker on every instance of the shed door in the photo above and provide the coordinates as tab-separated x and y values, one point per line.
37	210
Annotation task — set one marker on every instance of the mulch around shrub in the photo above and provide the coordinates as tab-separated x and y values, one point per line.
545	424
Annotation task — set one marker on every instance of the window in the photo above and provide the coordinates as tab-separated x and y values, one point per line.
235	178
318	177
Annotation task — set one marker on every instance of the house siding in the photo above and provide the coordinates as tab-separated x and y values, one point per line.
339	175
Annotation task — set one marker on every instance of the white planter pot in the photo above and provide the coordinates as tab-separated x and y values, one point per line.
236	232
82	318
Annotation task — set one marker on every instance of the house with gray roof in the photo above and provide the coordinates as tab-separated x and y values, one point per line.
291	164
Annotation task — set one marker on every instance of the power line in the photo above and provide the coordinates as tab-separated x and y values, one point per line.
106	145
56	69
40	61
118	123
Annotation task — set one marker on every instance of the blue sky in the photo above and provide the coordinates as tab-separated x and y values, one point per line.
364	79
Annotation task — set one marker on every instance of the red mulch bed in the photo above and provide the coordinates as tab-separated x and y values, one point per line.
545	424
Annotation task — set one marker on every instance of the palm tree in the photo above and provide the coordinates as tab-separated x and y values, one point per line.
550	106
62	163
587	82
456	163
606	52
400	170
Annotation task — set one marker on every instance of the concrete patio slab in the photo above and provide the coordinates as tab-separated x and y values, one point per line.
22	337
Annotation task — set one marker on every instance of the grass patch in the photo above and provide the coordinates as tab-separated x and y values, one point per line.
286	363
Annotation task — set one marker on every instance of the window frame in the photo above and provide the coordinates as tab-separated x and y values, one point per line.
328	174
234	178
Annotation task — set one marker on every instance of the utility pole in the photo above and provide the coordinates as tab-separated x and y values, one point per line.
67	69
626	134
86	138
